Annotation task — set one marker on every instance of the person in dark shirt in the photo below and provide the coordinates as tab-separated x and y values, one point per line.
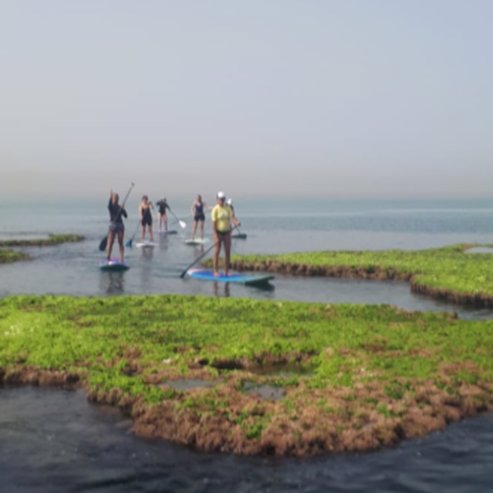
162	216
198	214
117	227
145	209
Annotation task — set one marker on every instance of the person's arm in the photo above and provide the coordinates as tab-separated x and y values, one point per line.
214	222
124	213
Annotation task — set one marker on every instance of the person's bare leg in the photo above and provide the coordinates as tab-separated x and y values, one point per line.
215	260
111	239
122	248
227	253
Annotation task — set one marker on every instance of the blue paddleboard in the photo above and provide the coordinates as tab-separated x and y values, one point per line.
236	277
113	265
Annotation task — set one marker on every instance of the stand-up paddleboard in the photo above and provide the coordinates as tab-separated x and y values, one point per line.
236	277
146	244
169	232
197	241
114	265
239	236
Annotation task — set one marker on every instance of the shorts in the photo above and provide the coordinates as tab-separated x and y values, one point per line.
117	227
146	221
199	217
223	234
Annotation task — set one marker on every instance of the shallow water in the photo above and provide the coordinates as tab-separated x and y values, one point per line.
73	269
55	441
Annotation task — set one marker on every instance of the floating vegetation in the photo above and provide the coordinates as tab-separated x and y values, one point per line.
184	384
8	255
52	239
375	374
448	273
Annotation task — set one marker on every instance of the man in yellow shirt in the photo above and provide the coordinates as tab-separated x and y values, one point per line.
222	219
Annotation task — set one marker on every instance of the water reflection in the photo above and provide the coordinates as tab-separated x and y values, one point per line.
163	242
221	289
146	267
112	282
147	253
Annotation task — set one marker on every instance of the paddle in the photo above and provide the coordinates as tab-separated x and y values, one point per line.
201	256
104	241
129	242
239	235
182	224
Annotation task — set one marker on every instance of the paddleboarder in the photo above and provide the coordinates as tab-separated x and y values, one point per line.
198	214
162	215
222	220
116	225
145	209
230	203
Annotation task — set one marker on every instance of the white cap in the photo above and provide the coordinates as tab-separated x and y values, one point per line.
229	201
220	195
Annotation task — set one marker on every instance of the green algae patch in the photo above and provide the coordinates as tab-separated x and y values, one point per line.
52	239
449	273
7	256
281	378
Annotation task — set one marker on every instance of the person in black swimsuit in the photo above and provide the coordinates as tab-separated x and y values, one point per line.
145	213
198	213
116	225
162	216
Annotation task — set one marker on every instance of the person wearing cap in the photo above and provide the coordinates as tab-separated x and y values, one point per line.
223	218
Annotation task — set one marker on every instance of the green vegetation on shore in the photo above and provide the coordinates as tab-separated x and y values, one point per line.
8	255
52	239
448	272
350	377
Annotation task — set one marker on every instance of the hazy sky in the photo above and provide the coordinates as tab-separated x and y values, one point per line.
333	98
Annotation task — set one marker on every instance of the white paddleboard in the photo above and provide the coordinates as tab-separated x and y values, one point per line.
146	244
197	241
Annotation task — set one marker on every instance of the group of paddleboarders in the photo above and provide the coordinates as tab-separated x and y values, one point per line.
223	219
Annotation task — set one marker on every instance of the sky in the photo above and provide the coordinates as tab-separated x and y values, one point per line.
258	98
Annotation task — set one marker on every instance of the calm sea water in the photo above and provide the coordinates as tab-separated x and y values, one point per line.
56	441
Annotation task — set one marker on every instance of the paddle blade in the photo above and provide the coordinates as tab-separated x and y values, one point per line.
128	244
183	224
103	243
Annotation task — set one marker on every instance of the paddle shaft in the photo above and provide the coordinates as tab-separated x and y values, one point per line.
129	242
202	255
182	224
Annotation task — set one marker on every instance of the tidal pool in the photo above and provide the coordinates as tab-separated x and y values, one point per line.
56	441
